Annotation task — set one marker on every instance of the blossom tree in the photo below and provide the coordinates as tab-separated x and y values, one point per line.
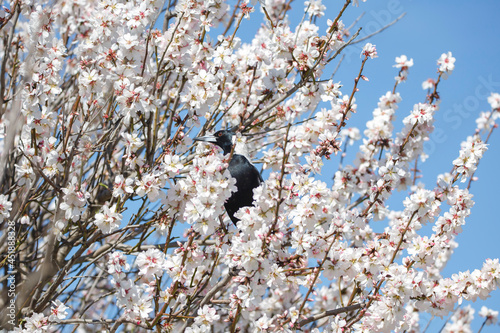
112	219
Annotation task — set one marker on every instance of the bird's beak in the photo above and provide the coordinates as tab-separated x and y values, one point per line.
207	138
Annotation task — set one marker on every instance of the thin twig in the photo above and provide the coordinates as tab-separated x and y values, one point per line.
380	30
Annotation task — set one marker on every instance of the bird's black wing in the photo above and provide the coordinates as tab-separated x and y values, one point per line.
247	178
246	174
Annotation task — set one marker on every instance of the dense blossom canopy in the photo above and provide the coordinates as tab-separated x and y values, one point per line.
119	217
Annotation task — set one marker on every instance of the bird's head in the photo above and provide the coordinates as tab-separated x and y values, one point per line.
223	139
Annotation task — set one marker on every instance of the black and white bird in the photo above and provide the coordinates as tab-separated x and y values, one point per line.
246	174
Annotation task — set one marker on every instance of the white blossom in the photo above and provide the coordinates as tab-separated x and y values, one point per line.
5	207
108	220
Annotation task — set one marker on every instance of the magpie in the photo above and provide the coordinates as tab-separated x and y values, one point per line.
246	174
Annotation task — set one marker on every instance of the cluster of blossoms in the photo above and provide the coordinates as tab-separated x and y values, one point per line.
471	152
460	321
105	174
403	63
199	198
38	322
74	201
136	299
108	219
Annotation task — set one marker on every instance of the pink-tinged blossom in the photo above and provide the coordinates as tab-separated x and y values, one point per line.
314	8
470	153
314	163
379	130
356	2
428	84
351	133
108	220
423	203
175	269
128	41
5	207
143	306
328	144
494	100
486	120
369	50
24	172
117	264
263	324
151	184
74	200
42	119
123	186
491	316
151	263
206	316
389	309
36	323
403	62
243	296
329	91
135	299
172	165
246	10
249	253
53	166
132	142
446	64
25	219
134	99
58	311
90	81
460	321
338	324
418	127
421	113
